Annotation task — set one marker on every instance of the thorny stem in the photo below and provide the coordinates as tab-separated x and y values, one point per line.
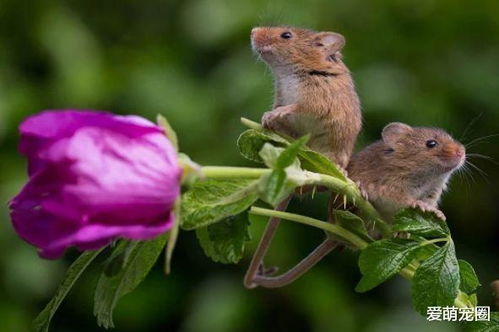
349	189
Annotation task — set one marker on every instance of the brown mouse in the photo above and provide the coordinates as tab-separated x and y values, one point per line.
314	91
409	167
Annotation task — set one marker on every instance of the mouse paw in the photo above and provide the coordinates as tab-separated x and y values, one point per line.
425	207
267	271
440	215
268	120
277	122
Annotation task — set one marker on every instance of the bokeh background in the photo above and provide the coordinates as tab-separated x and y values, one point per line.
423	62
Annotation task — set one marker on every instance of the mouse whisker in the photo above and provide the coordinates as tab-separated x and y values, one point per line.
465	173
469	172
482	156
479	170
463	176
479	139
469	126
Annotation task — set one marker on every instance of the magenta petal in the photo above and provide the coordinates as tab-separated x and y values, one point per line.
41	130
94	177
57	124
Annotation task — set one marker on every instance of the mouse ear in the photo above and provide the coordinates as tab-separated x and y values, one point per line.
333	41
394	130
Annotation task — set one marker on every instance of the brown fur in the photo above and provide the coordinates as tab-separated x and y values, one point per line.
314	92
401	171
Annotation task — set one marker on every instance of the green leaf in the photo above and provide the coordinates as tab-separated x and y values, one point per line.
469	280
484	326
288	156
172	237
114	263
418	223
473	299
212	200
269	154
318	163
436	281
110	289
42	321
383	259
275	187
281	158
352	223
251	142
169	132
287	174
224	241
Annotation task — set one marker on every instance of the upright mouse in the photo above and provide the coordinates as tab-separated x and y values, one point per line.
408	167
314	91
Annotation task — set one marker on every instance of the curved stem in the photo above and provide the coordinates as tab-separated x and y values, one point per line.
335	229
407	272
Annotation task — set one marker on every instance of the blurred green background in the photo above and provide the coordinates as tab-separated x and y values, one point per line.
423	62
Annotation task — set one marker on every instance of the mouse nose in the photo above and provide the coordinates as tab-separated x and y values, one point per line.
453	152
460	152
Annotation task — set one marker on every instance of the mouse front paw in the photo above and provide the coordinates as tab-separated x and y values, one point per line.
269	120
279	118
425	207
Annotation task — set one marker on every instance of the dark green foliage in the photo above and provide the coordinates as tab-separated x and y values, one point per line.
42	321
383	259
417	223
110	288
213	200
436	282
224	241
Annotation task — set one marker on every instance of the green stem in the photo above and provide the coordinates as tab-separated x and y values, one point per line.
349	189
461	301
251	124
335	229
224	172
427	242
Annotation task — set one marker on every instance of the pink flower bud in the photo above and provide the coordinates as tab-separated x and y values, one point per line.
93	177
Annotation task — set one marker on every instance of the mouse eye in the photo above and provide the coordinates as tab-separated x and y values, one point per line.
431	143
286	35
